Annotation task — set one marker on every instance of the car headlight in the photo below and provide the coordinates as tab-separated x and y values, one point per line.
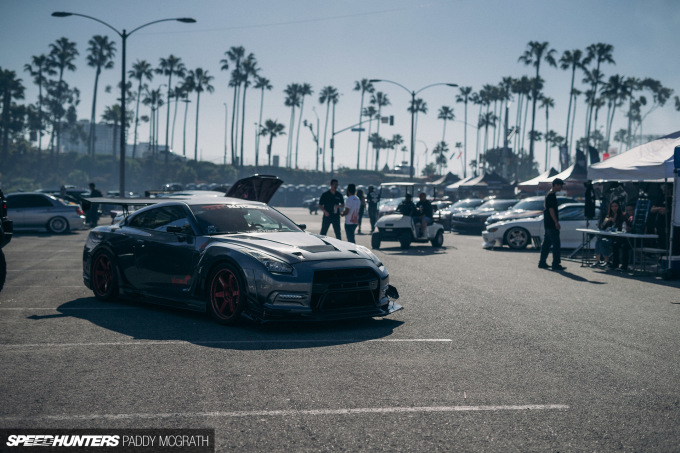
492	230
272	263
370	255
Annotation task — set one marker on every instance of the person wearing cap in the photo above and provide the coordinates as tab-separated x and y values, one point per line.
426	213
372	199
551	224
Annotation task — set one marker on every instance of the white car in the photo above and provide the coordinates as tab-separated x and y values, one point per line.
517	234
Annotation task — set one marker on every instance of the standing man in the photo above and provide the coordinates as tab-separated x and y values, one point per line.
372	199
426	213
551	223
331	204
351	212
92	217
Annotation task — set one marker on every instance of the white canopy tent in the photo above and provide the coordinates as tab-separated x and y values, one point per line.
649	162
533	184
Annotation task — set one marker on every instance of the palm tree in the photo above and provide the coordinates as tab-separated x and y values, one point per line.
446	114
272	128
141	69
439	151
365	86
615	91
170	66
305	89
327	95
177	94
464	97
101	54
62	54
486	120
547	103
262	84
417	106
11	88
235	55
380	100
111	116
292	100
601	53
187	88
154	100
552	139
571	59
200	82
248	68
39	69
396	140
370	112
535	53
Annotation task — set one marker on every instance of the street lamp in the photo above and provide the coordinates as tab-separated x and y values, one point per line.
413	112
123	36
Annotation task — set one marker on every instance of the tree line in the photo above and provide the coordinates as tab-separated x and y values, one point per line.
171	83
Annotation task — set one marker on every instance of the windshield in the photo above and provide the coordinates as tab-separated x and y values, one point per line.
467	203
497	205
530	205
237	218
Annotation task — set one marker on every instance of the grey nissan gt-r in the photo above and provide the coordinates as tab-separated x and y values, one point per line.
233	256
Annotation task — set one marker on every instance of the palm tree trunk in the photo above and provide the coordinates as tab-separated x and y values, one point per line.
184	133
269	150
174	120
325	136
93	118
167	121
297	138
361	109
243	120
524	127
139	96
198	100
547	149
234	115
289	150
370	125
259	125
571	96
573	123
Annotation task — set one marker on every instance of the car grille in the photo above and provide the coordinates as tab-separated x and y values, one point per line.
344	289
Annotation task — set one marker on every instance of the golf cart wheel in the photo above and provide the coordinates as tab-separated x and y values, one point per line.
517	238
376	240
405	239
438	239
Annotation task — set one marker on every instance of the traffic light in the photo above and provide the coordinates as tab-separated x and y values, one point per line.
391	120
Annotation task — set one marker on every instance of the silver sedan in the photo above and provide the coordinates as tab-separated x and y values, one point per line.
40	211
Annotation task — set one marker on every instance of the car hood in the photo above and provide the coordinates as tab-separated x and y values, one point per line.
503	216
294	246
477	213
256	188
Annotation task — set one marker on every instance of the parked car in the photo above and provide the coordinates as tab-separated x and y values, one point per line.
388	206
6	229
527	208
443	216
312	204
235	257
473	221
517	234
34	210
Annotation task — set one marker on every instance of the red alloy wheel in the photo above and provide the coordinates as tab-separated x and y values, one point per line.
103	277
225	295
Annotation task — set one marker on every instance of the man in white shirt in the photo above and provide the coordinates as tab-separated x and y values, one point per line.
351	212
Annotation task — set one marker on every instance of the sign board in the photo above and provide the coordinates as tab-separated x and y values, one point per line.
358	129
641	212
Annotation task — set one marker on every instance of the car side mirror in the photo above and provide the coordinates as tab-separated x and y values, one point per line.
302	226
174	229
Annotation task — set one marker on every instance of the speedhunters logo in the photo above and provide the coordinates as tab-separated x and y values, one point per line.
113	440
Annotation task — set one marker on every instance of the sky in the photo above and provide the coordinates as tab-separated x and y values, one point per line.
337	42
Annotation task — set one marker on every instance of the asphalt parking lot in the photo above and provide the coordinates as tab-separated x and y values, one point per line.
489	354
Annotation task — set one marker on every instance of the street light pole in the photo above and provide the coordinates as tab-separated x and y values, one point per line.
123	36
413	113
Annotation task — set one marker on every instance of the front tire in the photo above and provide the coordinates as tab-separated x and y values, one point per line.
517	238
226	294
3	269
376	239
405	239
104	276
58	225
438	239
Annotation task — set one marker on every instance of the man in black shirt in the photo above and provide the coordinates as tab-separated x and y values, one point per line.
551	224
331	204
426	213
407	207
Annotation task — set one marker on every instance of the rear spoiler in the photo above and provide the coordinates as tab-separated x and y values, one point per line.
124	203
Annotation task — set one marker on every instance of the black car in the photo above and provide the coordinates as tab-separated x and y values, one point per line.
6	230
234	257
474	221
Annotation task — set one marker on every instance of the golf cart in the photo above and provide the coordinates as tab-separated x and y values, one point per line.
403	228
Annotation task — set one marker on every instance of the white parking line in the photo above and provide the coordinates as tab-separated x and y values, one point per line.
291	413
69	308
224	342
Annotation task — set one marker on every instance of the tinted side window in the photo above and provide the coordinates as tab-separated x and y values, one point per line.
160	218
27	201
574	213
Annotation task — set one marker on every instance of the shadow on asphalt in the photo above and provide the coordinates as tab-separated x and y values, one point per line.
148	322
578	278
424	250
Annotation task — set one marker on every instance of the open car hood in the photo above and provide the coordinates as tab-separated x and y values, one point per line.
256	188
